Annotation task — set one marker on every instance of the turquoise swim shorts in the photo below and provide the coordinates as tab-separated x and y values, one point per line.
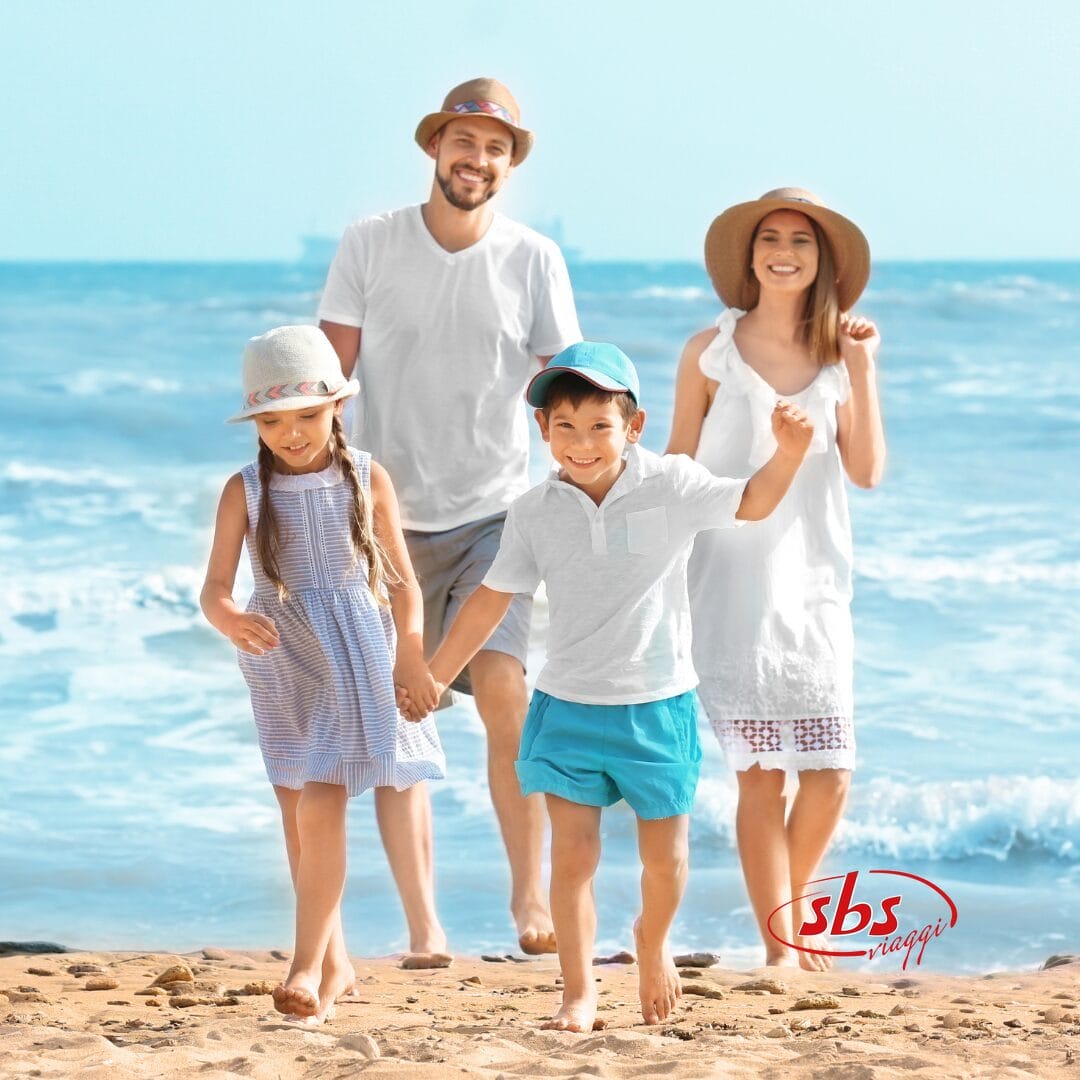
647	754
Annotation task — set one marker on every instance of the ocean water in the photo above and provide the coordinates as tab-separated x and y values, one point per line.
135	811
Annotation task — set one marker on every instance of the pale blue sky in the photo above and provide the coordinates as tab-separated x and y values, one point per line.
211	130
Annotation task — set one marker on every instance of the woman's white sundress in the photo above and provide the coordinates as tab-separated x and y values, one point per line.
771	601
323	699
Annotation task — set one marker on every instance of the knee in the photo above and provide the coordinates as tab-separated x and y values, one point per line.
321	806
498	682
574	859
668	863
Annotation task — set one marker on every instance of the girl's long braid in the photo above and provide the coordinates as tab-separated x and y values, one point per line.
266	532
361	524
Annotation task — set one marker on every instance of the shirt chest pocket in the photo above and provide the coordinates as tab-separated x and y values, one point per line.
647	531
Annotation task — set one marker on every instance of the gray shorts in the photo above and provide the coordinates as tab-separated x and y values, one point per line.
449	566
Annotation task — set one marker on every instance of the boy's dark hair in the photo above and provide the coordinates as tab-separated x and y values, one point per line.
575	389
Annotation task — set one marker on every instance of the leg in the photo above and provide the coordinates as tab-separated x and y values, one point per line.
763	851
337	963
404	819
665	858
575	854
815	813
314	821
498	683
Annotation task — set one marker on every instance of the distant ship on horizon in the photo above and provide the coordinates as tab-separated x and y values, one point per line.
318	250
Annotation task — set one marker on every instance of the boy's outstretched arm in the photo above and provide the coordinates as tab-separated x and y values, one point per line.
769	484
476	620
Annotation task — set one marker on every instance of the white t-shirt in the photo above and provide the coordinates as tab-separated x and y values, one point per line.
449	342
619	629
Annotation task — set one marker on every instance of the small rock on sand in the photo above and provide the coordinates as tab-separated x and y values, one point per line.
817	1001
1054	1015
1060	960
280	954
425	961
176	973
778	1033
256	989
39	971
622	957
951	1020
770	986
82	970
360	1043
697	960
25	997
215	954
100	982
703	991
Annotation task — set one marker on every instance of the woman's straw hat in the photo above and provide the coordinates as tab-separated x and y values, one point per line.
479	97
291	367
727	246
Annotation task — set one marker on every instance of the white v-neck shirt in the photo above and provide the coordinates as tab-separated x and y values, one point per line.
449	342
615	574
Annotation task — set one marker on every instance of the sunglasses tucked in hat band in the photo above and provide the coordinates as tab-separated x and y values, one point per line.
291	367
605	366
479	97
727	246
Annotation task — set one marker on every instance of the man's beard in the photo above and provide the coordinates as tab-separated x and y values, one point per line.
455	200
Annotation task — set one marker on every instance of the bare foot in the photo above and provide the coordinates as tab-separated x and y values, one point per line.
658	981
317	1020
423	961
298	996
537	943
783	958
575	1014
338	981
813	961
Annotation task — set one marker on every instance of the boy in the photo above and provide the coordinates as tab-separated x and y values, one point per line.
614	713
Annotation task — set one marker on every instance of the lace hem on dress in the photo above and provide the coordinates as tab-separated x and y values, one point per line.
818	742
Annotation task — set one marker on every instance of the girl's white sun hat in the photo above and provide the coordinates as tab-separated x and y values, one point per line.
291	367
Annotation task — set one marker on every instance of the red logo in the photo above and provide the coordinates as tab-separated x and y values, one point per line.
851	917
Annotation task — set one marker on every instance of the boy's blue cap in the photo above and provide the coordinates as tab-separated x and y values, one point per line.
605	366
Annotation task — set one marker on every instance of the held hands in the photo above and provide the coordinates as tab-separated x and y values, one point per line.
858	339
252	633
417	691
792	430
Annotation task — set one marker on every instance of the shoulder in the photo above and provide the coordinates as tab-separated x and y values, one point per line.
695	346
373	228
381	484
541	247
234	486
531	504
233	502
679	470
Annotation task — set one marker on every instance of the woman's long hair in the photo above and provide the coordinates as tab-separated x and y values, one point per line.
365	543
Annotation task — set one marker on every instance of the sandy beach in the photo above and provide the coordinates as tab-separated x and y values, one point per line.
100	1015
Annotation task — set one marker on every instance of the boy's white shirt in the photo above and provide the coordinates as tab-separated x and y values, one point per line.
450	340
615	574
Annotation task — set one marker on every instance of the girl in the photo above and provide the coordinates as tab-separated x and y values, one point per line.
770	602
316	642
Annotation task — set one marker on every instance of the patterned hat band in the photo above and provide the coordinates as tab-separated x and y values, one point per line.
492	108
287	390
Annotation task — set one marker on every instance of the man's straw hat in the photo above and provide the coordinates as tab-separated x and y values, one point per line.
479	97
727	246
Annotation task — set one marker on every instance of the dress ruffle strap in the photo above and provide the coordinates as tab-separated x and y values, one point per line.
720	361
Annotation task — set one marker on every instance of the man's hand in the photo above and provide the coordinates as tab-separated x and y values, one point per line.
792	430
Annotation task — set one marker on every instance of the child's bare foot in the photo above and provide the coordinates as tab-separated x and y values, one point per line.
809	961
338	982
781	958
658	981
298	996
575	1014
536	935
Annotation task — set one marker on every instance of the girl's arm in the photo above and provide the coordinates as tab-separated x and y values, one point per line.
248	631
693	396
860	434
476	620
406	601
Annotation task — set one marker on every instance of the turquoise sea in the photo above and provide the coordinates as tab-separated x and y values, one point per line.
135	811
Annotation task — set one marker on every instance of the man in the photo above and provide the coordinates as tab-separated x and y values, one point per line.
443	310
